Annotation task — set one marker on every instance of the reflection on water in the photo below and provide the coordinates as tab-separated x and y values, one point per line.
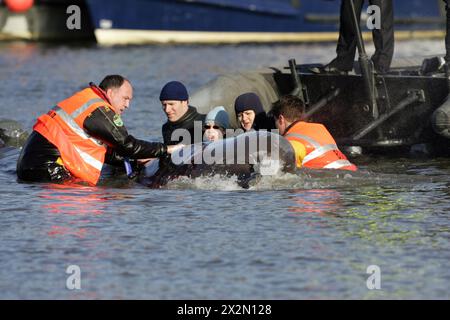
77	218
322	202
20	52
66	199
83	202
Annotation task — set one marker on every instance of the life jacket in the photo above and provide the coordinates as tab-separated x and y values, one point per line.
81	154
321	149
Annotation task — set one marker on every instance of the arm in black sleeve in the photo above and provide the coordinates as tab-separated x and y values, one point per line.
101	125
113	158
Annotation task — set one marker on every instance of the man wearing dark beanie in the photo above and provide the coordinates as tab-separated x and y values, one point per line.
250	112
180	115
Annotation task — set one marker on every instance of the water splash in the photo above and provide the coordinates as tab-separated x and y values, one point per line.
215	182
304	179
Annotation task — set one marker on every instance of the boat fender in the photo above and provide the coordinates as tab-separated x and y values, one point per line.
19	5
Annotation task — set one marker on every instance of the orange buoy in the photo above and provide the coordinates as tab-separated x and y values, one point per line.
19	5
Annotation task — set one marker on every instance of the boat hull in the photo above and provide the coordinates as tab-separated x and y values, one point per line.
206	21
232	21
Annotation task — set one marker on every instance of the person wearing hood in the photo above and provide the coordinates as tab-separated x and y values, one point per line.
180	115
250	112
216	123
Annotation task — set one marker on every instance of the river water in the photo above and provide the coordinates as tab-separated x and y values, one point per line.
310	236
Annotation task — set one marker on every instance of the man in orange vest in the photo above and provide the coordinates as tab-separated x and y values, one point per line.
314	146
82	133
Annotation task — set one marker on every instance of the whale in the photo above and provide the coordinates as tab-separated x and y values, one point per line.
246	156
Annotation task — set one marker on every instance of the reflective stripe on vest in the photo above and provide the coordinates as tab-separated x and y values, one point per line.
319	152
311	141
338	164
70	121
85	106
90	160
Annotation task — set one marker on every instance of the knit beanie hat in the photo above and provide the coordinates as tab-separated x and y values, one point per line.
248	101
219	117
174	90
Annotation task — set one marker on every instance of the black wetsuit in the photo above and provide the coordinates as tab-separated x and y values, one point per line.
383	38
185	122
37	161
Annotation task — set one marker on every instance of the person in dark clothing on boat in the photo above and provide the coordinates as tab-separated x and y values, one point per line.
82	133
181	117
383	38
438	63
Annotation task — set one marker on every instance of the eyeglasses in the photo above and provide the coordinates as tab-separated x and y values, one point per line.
211	127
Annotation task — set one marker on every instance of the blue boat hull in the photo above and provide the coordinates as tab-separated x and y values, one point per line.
319	18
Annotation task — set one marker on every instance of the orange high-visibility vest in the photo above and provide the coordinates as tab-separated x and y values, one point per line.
321	149
81	154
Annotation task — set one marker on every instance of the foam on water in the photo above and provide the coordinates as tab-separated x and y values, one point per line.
211	183
307	180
